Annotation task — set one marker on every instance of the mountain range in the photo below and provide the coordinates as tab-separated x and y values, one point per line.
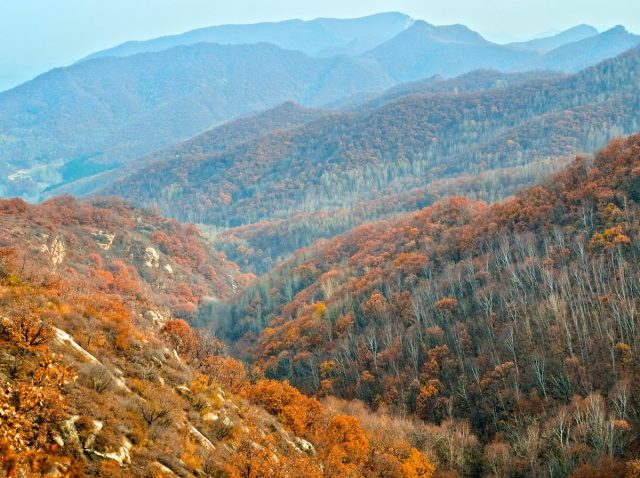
424	50
96	115
548	43
323	37
115	107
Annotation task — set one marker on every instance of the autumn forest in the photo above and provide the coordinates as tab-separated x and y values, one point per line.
334	248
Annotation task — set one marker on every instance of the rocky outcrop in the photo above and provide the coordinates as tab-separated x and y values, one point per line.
56	251
104	240
151	257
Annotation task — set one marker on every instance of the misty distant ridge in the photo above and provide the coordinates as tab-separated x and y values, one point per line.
404	48
549	42
321	37
325	37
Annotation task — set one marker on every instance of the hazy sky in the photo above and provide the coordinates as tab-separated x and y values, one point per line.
40	34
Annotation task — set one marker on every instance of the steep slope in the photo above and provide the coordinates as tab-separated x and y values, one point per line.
94	239
319	37
518	318
544	45
77	121
400	150
98	378
581	54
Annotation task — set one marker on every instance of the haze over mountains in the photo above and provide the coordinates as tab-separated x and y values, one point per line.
122	104
549	43
322	37
75	121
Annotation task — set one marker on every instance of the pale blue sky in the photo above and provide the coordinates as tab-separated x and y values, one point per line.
36	35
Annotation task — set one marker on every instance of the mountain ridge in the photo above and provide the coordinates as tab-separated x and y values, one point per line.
332	34
546	44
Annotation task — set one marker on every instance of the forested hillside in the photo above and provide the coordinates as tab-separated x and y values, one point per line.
320	248
99	375
94	116
401	151
474	81
215	140
513	326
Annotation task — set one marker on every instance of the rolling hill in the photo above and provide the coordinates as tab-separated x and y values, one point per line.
90	117
215	140
474	81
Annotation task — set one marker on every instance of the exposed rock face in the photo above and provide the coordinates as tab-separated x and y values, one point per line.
63	338
122	456
200	437
71	438
210	417
151	257
156	317
104	240
56	251
304	445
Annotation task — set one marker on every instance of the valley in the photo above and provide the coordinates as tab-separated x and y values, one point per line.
372	247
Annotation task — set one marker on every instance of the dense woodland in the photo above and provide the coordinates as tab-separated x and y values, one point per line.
413	147
258	247
515	322
474	81
215	140
73	122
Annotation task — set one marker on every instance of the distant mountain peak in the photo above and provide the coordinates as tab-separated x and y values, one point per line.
583	26
550	42
617	29
456	33
589	51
